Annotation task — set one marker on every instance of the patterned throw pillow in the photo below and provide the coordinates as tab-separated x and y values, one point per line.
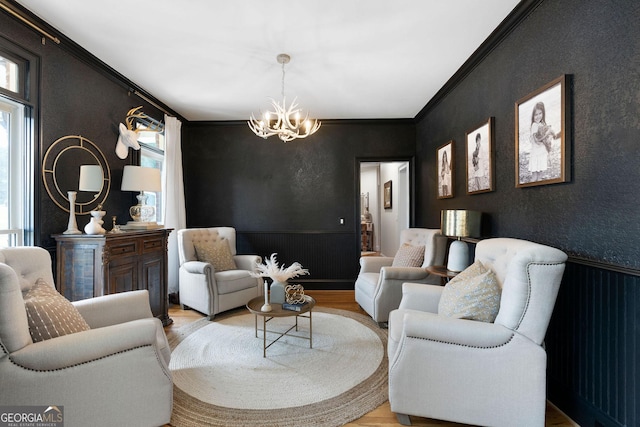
409	256
50	314
473	294
217	253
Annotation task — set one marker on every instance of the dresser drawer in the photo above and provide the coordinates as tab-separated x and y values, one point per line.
152	245
121	249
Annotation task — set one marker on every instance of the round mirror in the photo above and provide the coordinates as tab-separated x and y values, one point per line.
61	173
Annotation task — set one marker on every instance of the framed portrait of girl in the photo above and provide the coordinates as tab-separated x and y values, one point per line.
445	156
543	139
479	160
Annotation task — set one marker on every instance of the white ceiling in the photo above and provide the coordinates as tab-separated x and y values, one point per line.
216	60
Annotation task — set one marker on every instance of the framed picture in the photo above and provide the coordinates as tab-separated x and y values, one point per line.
387	195
543	136
480	158
444	156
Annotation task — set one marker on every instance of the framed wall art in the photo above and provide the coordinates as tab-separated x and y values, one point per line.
387	195
445	156
480	172
543	139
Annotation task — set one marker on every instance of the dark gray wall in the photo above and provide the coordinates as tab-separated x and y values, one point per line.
238	179
593	340
593	216
78	96
288	198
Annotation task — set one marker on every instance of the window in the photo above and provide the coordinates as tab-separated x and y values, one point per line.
17	87
14	173
151	139
9	75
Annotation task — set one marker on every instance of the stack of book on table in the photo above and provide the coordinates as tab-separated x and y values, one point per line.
294	307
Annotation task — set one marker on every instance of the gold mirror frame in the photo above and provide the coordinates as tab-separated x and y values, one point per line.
66	155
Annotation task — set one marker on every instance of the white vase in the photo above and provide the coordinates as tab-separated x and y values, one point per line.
95	225
266	307
276	296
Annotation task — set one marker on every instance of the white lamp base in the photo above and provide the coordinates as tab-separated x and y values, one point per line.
458	256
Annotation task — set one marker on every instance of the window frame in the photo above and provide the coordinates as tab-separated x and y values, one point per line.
22	75
156	154
28	97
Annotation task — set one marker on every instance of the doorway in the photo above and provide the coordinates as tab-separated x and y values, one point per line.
384	205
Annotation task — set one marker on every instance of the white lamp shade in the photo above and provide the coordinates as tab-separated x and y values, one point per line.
138	178
91	178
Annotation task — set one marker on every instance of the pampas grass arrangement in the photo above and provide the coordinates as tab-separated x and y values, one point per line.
277	273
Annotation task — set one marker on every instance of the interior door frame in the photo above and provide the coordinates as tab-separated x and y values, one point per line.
412	202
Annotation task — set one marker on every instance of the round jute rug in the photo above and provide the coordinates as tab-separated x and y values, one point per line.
221	378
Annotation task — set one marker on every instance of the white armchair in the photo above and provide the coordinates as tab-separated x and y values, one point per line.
206	290
466	371
112	374
378	288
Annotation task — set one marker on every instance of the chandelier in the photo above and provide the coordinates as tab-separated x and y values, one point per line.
284	121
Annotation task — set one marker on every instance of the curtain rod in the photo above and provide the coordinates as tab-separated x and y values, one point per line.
135	92
57	41
29	23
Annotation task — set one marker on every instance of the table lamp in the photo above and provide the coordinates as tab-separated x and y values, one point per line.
92	179
138	178
459	223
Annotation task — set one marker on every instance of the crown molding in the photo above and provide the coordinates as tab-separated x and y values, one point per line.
517	15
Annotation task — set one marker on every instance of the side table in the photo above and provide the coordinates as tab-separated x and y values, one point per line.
442	272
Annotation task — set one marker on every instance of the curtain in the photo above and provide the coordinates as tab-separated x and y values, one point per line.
173	205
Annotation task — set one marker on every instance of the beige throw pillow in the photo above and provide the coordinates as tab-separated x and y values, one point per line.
409	256
50	314
216	253
473	294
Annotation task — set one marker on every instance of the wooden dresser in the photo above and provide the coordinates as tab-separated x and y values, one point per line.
93	265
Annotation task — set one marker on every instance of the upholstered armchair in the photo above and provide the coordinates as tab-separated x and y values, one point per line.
477	372
378	288
213	277
112	372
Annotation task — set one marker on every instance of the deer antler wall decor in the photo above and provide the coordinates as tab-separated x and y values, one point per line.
129	135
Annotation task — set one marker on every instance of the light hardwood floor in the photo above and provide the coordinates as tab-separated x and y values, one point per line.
382	416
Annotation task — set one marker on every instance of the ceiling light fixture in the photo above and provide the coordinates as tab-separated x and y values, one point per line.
284	121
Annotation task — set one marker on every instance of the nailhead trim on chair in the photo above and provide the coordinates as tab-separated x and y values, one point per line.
398	356
465	345
526	307
519	322
80	364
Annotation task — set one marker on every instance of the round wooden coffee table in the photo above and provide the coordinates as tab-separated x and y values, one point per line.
254	307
